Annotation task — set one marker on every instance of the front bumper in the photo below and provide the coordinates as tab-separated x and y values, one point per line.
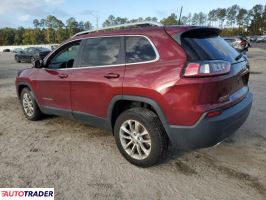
210	131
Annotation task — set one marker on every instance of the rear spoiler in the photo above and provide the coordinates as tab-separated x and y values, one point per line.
191	31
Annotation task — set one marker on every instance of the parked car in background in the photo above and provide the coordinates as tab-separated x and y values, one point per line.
54	46
253	38
239	43
6	50
17	50
31	54
261	39
151	86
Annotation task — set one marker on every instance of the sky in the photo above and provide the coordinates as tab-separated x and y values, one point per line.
15	13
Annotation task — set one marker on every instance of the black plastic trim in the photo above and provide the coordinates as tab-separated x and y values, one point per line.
149	101
80	116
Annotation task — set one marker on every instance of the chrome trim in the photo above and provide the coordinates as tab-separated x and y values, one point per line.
114	65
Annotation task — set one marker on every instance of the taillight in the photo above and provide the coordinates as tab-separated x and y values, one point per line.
243	43
207	68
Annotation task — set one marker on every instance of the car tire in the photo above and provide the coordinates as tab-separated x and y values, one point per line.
146	143
32	59
29	106
17	59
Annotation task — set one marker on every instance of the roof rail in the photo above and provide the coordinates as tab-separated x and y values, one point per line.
135	24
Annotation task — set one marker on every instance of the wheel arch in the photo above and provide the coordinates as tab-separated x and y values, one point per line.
117	100
21	86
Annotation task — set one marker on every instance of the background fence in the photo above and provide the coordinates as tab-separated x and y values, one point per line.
25	46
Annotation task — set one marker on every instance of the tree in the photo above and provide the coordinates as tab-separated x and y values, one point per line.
264	20
171	20
81	25
72	26
241	16
27	37
221	15
189	19
195	19
52	22
87	25
256	18
36	23
19	36
231	14
50	35
184	20
202	18
110	21
212	16
60	35
37	36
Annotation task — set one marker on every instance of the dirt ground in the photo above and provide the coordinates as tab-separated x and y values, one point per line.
82	162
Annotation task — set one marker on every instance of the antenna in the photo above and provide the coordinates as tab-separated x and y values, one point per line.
179	21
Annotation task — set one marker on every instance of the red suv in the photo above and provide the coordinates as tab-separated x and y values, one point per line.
150	85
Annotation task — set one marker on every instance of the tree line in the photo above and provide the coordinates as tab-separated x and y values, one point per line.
233	20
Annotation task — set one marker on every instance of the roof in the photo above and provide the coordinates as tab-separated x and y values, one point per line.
122	26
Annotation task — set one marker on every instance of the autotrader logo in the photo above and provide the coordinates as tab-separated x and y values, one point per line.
27	193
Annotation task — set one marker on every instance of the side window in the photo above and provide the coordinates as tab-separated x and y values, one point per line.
27	50
65	58
139	49
101	51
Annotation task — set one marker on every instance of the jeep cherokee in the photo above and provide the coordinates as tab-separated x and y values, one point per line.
151	85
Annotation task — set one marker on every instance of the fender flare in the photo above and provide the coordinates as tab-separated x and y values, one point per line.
149	101
29	86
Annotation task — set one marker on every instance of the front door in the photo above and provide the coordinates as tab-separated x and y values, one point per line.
53	81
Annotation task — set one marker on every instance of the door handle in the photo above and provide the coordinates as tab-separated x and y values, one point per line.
63	75
112	76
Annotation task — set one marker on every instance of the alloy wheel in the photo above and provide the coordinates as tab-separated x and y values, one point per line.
27	103
135	139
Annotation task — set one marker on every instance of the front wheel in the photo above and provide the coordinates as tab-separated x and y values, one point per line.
29	105
140	137
32	59
17	59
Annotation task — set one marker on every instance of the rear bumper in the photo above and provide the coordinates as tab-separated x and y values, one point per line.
210	131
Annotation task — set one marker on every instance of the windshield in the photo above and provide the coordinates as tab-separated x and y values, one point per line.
207	47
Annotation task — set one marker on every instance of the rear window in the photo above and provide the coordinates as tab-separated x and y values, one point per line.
101	51
139	49
208	46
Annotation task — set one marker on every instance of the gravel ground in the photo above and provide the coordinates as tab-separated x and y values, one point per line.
82	162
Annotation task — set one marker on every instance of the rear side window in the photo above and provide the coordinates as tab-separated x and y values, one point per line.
139	49
101	51
207	46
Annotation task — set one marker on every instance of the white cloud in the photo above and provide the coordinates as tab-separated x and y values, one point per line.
27	10
24	18
24	6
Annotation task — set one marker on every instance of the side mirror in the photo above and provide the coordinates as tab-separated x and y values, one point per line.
38	64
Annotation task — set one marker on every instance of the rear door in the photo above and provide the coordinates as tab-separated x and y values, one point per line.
99	76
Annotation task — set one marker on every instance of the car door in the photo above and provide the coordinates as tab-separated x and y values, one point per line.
99	76
28	54
52	82
23	54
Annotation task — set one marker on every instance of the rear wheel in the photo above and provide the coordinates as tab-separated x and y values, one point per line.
29	105
140	137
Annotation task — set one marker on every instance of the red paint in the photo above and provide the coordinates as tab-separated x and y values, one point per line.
182	100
